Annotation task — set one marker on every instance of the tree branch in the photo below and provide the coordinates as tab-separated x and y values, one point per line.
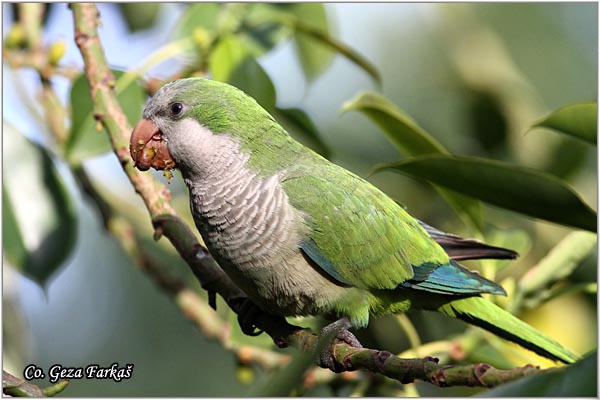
188	301
156	196
108	111
212	278
16	387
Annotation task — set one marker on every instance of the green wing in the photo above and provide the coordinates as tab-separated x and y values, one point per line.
359	236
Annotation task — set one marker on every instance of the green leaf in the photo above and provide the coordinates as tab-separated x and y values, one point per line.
12	241
567	158
140	16
336	45
84	140
250	77
410	139
231	62
515	239
577	120
205	15
560	262
314	33
299	124
488	119
205	21
577	380
266	36
87	138
39	222
400	128
467	208
520	189
226	56
315	56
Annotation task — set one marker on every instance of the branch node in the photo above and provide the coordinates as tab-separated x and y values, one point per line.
439	377
380	359
432	359
80	38
109	80
347	363
479	371
165	193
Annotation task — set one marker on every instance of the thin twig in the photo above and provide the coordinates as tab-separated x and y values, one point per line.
16	387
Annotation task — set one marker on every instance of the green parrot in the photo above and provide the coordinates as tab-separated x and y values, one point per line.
303	236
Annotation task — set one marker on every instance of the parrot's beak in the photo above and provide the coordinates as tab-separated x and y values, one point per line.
148	147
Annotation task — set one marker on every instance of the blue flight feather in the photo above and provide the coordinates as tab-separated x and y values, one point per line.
452	278
310	248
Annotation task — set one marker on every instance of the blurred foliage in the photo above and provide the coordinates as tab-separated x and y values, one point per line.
39	223
140	16
453	80
86	138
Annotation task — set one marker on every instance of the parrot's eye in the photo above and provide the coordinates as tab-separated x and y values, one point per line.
176	109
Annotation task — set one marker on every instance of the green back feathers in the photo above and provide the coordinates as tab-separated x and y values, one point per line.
359	235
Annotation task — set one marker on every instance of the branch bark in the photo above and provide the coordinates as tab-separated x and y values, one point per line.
16	387
212	278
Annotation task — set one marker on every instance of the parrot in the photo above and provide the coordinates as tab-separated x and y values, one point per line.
302	236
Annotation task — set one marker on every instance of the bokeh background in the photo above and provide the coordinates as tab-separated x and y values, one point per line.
476	76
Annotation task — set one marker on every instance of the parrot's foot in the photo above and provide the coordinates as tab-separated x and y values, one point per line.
247	316
332	334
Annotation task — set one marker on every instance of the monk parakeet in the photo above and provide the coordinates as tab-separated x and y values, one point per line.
303	236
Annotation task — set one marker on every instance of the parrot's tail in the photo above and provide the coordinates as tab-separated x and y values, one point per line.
485	314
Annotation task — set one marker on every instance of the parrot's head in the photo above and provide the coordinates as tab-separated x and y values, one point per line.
190	119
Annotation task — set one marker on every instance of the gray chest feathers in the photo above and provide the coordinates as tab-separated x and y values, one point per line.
246	220
254	233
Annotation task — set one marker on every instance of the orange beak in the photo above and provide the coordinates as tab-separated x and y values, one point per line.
148	147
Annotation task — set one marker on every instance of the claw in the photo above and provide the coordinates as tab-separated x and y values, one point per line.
336	332
247	315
